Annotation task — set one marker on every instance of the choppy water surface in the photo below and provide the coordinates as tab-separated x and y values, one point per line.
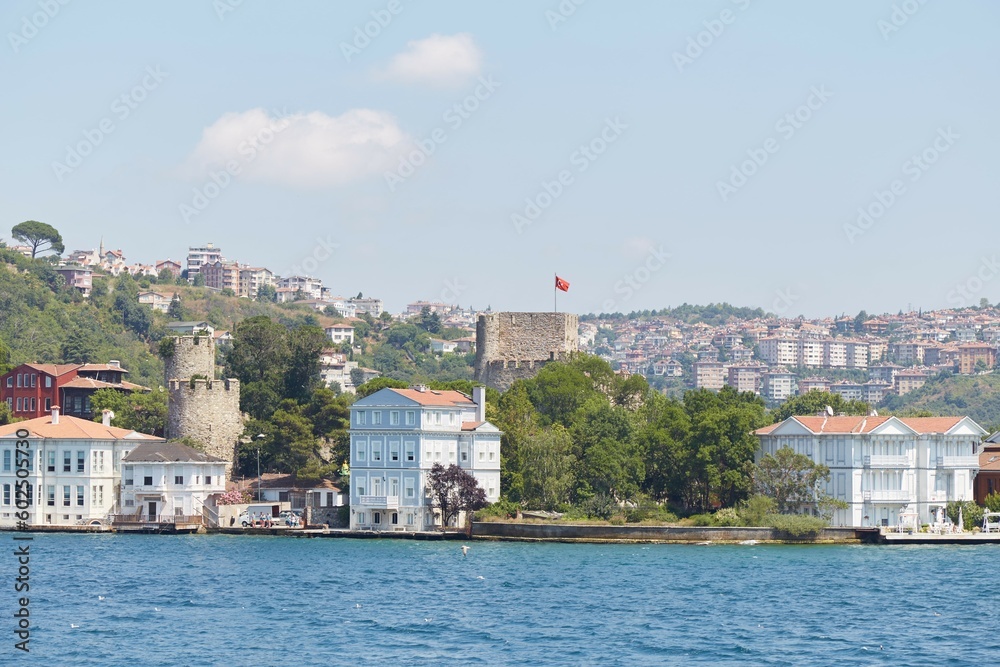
225	600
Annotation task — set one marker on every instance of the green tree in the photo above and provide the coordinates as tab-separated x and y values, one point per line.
40	236
267	293
198	280
357	377
145	412
305	344
375	384
548	465
791	479
176	309
815	402
5	365
259	358
80	347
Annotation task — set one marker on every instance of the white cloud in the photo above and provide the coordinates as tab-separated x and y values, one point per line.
308	150
439	60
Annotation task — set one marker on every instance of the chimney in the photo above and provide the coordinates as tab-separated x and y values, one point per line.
55	414
479	398
115	363
107	416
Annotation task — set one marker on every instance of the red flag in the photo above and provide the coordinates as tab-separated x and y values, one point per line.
562	284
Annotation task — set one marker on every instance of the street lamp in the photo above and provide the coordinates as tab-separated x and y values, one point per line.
260	436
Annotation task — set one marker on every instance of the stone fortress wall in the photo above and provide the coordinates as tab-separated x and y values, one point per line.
514	346
205	410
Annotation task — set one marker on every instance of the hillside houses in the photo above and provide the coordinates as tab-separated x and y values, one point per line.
780	357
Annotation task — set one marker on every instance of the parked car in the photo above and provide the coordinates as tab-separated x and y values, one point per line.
285	518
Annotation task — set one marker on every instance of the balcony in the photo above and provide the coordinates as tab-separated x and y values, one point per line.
887	461
379	502
958	462
886	496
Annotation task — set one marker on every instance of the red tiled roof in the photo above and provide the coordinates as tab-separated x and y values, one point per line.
471	426
820	425
432	397
990	458
91	383
72	428
54	369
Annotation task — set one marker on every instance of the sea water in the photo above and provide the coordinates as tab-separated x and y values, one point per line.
147	600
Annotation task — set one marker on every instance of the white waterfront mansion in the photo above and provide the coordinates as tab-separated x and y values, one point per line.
72	466
397	435
885	468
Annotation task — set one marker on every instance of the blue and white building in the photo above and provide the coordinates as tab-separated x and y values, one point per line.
397	435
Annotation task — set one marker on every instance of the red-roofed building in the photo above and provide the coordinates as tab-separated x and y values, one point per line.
73	469
397	435
887	469
31	390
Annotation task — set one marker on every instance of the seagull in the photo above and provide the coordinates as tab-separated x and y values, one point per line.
428	620
480	577
465	549
100	597
74	626
357	606
156	609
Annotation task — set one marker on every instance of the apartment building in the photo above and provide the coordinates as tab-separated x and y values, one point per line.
709	375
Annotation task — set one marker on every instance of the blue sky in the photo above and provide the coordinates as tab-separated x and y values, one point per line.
651	153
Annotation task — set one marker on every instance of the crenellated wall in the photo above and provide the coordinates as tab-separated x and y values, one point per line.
208	412
193	355
512	346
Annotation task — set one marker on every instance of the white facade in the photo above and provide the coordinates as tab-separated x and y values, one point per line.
341	333
883	467
397	435
168	479
74	469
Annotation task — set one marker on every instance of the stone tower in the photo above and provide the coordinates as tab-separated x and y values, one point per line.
205	410
514	346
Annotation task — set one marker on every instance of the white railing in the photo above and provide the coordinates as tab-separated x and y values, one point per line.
887	461
386	502
958	462
887	496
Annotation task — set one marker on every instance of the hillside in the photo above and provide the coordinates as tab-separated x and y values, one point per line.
977	396
43	321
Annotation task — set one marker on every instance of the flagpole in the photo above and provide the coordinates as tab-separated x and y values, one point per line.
555	294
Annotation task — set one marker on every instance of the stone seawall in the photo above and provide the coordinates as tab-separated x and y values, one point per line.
591	533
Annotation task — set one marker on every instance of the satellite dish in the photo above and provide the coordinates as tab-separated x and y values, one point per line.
829	410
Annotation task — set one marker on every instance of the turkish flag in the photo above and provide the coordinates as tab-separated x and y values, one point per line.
562	284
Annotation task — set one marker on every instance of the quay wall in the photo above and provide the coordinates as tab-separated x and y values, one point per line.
592	533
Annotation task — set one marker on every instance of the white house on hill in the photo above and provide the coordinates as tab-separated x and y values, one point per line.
397	435
886	467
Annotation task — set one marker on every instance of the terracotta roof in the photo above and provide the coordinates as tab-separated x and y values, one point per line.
102	367
990	458
821	425
433	397
54	369
471	426
166	452
72	428
91	383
